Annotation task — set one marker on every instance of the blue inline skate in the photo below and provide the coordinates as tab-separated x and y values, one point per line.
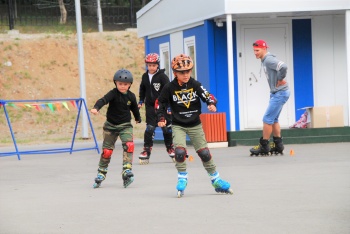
127	175
181	183
101	176
220	185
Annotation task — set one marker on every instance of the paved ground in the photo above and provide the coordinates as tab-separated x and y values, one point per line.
305	193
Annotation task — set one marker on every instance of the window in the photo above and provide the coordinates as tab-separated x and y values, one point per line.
190	49
165	58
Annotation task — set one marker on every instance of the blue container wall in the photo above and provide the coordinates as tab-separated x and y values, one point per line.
152	45
302	59
221	72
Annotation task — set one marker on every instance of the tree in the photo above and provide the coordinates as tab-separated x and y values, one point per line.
63	18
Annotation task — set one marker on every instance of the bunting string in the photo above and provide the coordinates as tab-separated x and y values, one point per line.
53	106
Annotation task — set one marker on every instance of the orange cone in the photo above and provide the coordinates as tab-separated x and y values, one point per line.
291	153
190	158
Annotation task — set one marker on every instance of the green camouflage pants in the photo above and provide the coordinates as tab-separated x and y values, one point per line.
110	136
197	137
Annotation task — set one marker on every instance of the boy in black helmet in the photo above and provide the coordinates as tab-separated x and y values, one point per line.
118	124
152	83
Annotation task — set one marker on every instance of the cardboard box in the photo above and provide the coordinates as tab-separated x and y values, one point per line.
325	116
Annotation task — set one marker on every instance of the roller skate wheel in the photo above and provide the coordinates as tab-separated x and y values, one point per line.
128	182
144	161
180	194
230	191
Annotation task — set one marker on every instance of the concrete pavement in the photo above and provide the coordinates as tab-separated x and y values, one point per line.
305	193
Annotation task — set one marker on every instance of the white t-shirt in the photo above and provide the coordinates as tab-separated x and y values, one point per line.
150	77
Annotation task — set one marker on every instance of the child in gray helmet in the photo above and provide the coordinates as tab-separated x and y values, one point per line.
120	102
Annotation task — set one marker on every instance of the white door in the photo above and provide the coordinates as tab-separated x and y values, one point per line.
254	90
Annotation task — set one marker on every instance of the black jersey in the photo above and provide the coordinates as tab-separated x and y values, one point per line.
185	102
119	107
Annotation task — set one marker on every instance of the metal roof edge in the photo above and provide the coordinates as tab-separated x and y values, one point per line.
146	8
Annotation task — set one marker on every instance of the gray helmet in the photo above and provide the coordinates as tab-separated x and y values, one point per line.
123	75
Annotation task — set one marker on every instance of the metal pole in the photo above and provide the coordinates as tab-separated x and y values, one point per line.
11	15
131	13
85	134
231	84
99	16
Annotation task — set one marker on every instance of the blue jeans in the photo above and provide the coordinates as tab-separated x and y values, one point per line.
273	111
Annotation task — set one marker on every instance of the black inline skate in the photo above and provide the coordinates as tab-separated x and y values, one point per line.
262	149
276	147
171	152
127	175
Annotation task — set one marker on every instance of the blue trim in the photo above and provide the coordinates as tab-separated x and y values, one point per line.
302	59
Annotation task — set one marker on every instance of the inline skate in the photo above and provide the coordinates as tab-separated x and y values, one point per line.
127	175
171	152
181	183
262	149
220	185
145	155
276	147
101	176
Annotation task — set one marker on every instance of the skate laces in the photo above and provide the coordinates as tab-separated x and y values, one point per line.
257	147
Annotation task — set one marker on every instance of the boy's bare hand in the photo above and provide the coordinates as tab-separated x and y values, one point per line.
94	111
212	108
162	124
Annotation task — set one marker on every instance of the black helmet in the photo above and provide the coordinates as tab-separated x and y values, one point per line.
123	75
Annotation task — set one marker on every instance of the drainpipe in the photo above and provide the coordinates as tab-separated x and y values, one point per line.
230	72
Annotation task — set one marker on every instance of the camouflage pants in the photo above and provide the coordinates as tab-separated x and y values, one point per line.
110	136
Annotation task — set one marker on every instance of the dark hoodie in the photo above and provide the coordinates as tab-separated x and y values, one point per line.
119	107
149	92
184	101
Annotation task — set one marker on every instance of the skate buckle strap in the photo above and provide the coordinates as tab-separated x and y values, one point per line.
214	176
182	175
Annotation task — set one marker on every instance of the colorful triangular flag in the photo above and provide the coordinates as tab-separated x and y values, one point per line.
65	105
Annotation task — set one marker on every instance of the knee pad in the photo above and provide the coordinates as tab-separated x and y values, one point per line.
167	129
150	128
129	147
204	154
107	153
180	154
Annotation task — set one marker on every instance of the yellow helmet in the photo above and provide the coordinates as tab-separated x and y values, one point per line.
182	62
